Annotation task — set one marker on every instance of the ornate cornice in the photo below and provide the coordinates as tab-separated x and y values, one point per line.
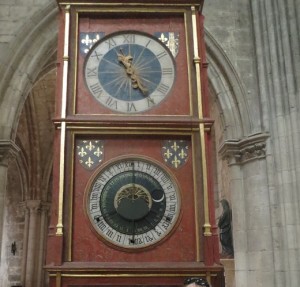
8	150
241	151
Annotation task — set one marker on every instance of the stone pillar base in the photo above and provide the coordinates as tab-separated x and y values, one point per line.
229	272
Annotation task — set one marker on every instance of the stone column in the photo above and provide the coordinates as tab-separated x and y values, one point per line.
276	29
229	272
25	242
34	207
8	151
252	233
43	229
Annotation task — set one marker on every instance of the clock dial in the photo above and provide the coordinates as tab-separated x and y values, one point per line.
133	203
129	72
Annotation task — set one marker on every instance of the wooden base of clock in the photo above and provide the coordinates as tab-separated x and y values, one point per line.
125	275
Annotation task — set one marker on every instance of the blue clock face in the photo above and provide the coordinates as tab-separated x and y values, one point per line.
129	72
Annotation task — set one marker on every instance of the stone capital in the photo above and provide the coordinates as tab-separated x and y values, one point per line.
238	152
35	206
8	150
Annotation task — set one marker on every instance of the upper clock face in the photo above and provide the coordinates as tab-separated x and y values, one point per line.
133	203
129	72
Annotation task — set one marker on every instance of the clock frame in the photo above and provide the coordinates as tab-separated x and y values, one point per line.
147	148
150	23
77	255
129	71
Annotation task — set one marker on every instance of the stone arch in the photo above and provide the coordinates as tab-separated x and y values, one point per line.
229	91
26	57
232	116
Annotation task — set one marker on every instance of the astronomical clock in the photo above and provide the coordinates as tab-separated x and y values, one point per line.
132	203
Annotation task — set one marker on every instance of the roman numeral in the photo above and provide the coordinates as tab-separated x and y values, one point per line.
164	179
91	73
162	88
101	225
112	103
162	54
95	54
129	39
167	71
111	43
148	44
96	89
109	233
150	102
131	107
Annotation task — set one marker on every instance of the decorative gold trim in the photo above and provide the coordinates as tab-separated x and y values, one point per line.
58	279
138	275
197	229
127	131
117	131
133	115
59	226
70	234
65	63
129	10
75	75
197	61
132	4
188	56
122	8
94	126
208	277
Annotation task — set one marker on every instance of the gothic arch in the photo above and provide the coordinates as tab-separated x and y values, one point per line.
27	55
229	91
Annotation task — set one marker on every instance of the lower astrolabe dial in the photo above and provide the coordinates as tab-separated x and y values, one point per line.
133	203
129	71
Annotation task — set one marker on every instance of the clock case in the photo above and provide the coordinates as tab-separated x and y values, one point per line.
75	254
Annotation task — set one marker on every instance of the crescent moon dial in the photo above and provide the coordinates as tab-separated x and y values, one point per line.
158	195
133	203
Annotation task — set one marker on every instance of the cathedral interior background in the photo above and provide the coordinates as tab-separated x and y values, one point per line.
253	78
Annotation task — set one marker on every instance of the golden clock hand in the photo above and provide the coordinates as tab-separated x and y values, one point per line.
136	83
135	80
125	60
